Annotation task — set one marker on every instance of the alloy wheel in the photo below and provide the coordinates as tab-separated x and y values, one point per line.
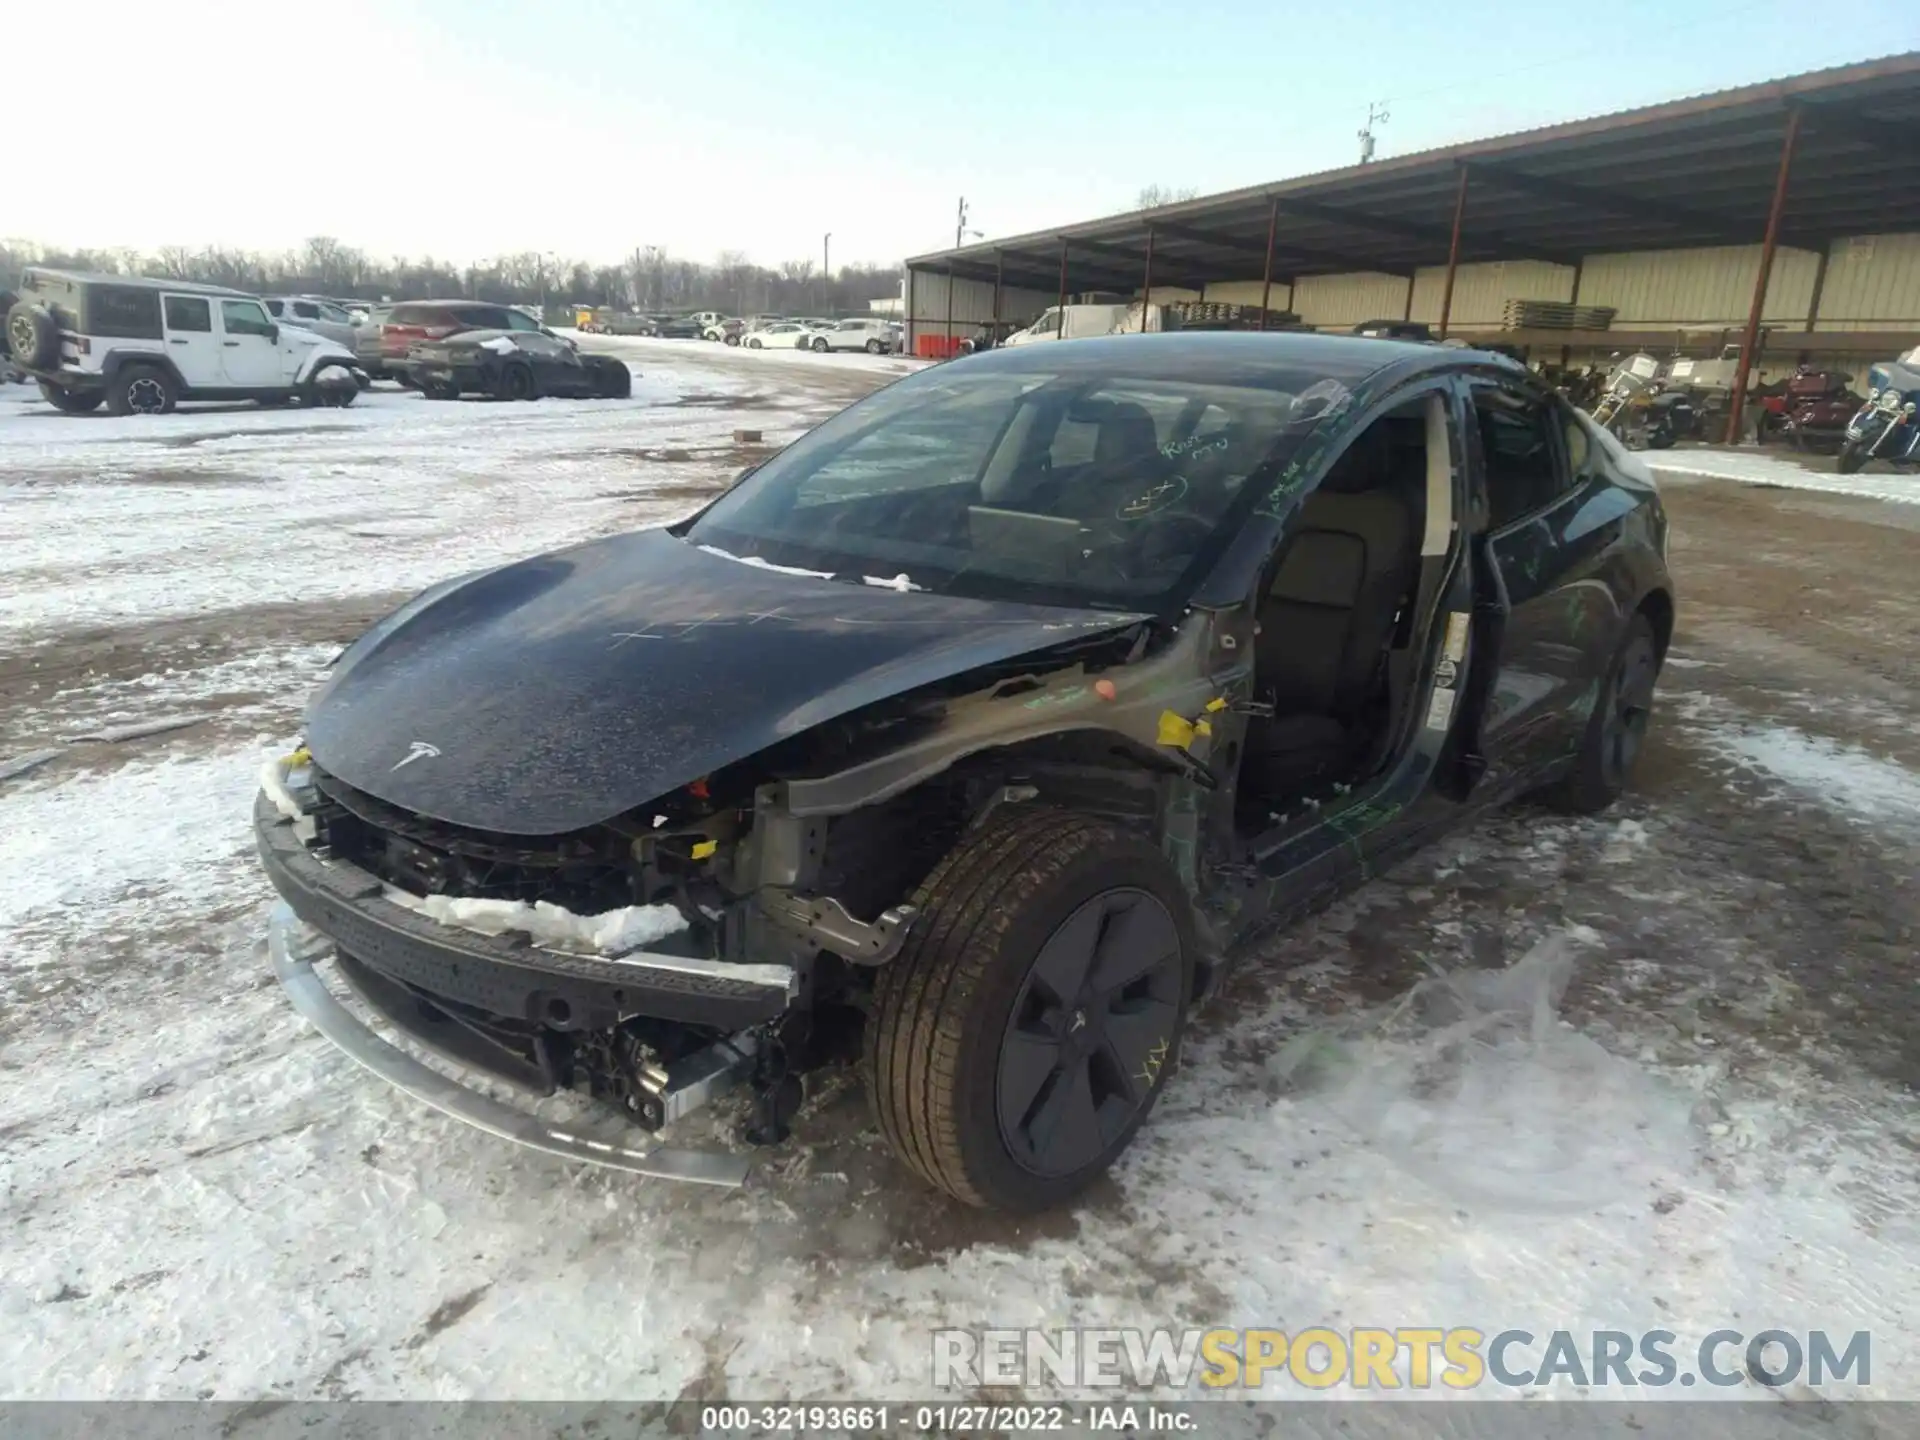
146	396
1629	708
1090	1033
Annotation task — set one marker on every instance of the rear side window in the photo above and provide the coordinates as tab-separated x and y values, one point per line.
189	312
306	310
275	308
123	313
1524	469
517	321
422	315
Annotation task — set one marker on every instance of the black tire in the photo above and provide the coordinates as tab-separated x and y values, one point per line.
820	346
755	344
142	389
1853	455
963	1019
335	396
1616	731
515	382
733	339
33	335
72	402
612	380
436	390
874	347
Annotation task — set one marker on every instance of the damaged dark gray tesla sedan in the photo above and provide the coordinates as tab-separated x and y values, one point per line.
972	735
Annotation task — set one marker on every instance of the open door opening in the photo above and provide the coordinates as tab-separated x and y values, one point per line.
1337	619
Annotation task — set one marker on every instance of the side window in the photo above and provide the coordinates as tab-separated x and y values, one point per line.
123	313
1047	324
516	320
244	317
1578	442
335	314
275	308
306	310
189	312
1522	458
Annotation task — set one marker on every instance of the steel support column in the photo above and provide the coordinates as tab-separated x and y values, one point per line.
1819	286
999	275
906	338
1146	283
1744	370
1453	251
1063	285
949	310
1406	310
1266	275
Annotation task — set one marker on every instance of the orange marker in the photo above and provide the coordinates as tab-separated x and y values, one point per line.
1105	689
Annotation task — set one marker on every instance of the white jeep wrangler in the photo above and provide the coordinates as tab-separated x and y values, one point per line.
141	346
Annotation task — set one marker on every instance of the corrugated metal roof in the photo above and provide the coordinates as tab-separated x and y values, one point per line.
1690	172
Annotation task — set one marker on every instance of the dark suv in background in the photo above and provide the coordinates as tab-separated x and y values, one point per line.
383	348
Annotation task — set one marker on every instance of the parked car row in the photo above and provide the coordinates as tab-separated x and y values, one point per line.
140	346
870	333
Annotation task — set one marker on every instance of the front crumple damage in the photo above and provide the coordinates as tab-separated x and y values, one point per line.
557	692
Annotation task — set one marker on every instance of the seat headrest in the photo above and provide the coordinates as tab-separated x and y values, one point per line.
1127	432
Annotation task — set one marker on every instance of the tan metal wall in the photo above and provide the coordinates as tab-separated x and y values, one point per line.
1712	286
1873	283
972	303
1247	292
1481	292
1333	301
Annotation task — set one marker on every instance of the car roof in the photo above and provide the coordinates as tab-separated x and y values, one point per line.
138	282
1347	357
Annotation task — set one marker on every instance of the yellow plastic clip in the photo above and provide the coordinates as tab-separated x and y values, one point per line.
1203	727
300	756
1217	704
1175	730
705	849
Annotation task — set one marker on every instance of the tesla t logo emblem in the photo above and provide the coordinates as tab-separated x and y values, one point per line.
1079	1021
418	750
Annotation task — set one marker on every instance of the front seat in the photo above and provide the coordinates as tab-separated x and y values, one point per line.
1327	618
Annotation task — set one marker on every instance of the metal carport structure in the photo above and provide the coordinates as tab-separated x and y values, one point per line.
1800	161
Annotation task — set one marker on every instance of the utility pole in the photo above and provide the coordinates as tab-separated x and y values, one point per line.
1376	115
826	269
960	225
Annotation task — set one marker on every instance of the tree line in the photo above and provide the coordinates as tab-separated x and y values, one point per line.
648	279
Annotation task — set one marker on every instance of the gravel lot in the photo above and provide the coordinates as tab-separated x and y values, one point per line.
201	1198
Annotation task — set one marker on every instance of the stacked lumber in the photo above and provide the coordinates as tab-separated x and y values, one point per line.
1555	315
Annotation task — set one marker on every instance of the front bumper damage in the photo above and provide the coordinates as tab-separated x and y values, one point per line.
295	948
398	963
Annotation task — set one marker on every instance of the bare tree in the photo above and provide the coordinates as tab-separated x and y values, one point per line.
1151	197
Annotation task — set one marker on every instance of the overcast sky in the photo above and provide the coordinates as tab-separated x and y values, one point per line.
468	128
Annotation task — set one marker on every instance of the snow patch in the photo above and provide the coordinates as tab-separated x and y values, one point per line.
1473	1085
613	932
1750	469
500	345
898	582
759	564
1845	775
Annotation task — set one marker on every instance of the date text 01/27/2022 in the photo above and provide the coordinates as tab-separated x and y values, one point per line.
942	1419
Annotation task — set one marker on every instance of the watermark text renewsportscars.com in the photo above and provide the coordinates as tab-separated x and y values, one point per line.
1416	1357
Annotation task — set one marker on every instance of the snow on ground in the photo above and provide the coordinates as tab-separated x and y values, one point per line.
1753	467
106	520
199	1197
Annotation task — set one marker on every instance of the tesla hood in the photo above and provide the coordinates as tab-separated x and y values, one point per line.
563	690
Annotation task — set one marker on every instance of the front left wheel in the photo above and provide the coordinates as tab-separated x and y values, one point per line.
1025	1031
820	346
